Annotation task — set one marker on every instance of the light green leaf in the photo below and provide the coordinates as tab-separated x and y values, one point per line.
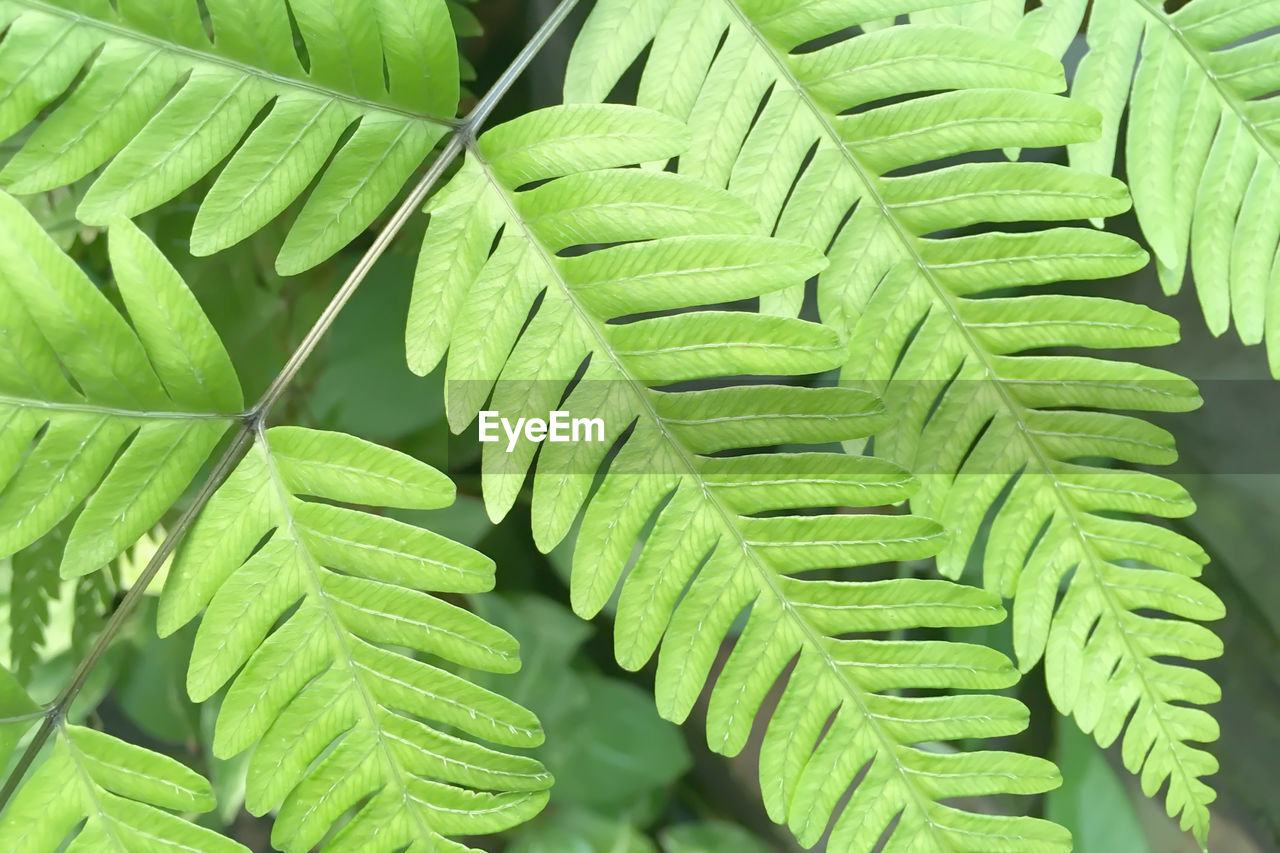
850	141
107	794
545	144
695	535
180	341
95	412
613	38
310	609
162	103
329	465
151	474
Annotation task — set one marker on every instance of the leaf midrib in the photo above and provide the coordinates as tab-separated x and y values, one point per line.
943	298
196	55
315	591
112	412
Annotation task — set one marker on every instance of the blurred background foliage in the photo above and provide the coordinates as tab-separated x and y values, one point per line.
627	781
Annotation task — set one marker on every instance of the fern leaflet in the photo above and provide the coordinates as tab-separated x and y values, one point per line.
302	598
1203	158
590	251
104	794
83	394
344	583
839	146
170	95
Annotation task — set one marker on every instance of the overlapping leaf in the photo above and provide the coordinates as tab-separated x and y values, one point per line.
558	282
100	793
1203	149
92	407
314	613
850	141
1203	153
359	102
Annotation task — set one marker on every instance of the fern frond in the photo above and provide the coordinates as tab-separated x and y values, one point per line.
847	147
92	407
95	792
303	598
170	95
1203	151
584	254
1203	158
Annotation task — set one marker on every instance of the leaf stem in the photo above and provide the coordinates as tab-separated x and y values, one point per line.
380	245
485	106
252	420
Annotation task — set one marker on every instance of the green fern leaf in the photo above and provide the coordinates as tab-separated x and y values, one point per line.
170	95
1203	160
100	792
1207	173
93	408
840	147
338	720
583	254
